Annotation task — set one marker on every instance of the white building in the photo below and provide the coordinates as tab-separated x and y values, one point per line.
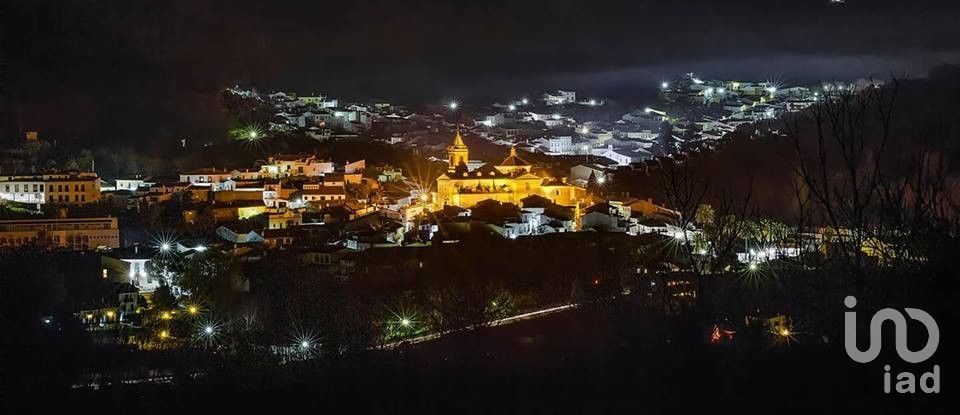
65	188
295	165
560	98
557	145
205	177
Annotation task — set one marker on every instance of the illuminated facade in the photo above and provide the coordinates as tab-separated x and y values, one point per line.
457	153
510	181
58	188
74	234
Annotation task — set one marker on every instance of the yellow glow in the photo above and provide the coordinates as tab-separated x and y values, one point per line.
193	309
166	315
164	334
89	316
785	332
110	314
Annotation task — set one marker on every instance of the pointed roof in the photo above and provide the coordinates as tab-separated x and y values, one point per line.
457	139
514	160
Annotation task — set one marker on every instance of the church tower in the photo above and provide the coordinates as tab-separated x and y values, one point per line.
457	152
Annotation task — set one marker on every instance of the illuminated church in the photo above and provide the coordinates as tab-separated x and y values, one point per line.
510	181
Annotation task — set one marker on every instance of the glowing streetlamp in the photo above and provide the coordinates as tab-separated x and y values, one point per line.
593	102
193	310
664	85
304	344
453	105
405	322
524	101
512	107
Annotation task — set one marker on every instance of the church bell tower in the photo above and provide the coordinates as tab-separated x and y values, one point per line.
457	152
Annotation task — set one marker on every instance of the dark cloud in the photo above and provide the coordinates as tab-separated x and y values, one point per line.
167	57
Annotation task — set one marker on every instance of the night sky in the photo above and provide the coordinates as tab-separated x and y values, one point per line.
129	65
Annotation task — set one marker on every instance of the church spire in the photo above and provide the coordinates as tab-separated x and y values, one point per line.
457	152
457	139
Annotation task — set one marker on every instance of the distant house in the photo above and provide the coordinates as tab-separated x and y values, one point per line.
129	265
205	177
323	195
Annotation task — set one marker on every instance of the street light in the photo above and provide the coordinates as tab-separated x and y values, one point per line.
405	322
524	101
512	107
664	85
452	105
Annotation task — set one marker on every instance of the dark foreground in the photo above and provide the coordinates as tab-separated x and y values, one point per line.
571	362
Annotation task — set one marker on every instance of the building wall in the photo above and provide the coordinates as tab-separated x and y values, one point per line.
78	188
448	191
74	234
